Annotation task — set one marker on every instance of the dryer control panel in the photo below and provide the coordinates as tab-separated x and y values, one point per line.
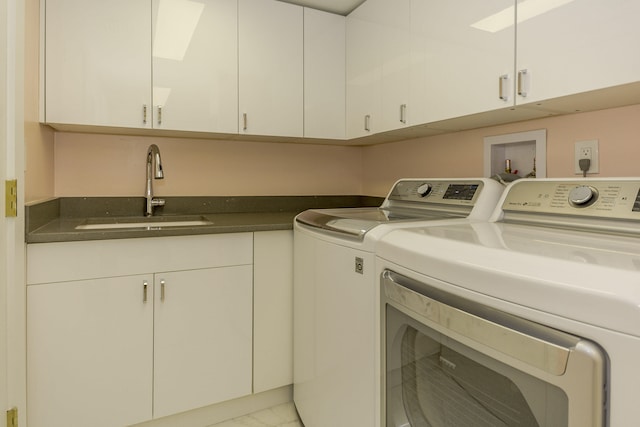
605	199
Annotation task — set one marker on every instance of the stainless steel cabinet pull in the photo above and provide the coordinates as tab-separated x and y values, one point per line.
145	285
521	90
403	113
367	119
244	121
144	114
502	81
162	283
159	114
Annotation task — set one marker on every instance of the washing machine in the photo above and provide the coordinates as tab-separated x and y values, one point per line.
336	338
531	318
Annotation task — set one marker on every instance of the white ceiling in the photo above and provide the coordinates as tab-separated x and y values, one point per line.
341	7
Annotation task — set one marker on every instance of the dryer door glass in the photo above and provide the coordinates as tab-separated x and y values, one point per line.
434	381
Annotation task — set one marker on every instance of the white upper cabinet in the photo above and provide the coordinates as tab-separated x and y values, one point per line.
266	67
124	63
396	62
195	65
270	68
459	68
378	65
324	75
98	64
364	71
572	46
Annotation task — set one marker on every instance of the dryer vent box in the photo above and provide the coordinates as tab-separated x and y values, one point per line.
520	149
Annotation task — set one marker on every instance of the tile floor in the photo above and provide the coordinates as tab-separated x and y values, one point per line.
284	415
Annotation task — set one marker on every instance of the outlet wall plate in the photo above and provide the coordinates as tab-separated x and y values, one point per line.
584	149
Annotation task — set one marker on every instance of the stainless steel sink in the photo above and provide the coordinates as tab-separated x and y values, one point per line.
149	223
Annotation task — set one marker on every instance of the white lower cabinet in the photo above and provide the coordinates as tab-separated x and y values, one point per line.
202	338
118	350
89	349
273	310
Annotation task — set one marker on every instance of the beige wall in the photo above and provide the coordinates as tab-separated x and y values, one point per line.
38	139
103	165
460	154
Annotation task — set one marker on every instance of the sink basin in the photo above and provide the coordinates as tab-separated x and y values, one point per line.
149	223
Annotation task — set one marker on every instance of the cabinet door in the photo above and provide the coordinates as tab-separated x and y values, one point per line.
364	73
577	46
458	60
395	18
324	79
273	310
98	67
271	68
202	338
89	352
195	65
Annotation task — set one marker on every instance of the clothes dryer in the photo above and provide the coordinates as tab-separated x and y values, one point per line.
530	319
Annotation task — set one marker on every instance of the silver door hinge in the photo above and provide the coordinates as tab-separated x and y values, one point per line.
359	267
12	417
11	198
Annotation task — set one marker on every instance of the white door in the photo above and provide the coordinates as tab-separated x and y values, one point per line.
4	400
12	374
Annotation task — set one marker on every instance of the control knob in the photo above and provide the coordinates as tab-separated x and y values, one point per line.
424	190
582	195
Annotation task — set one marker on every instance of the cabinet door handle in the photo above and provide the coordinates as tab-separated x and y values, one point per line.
244	121
521	83
159	114
144	114
145	286
403	113
502	81
162	283
367	120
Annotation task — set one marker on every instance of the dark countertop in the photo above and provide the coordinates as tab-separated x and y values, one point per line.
56	220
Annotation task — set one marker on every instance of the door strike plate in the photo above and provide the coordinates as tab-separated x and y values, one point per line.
359	265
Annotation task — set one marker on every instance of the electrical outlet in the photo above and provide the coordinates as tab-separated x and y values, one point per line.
587	150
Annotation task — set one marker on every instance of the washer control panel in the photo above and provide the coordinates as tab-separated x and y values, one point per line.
459	192
606	198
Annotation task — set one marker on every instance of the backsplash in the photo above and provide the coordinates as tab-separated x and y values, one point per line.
109	165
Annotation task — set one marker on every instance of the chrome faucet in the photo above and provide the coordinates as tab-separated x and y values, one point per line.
153	162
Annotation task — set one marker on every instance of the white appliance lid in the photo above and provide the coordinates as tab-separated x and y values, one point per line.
588	277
